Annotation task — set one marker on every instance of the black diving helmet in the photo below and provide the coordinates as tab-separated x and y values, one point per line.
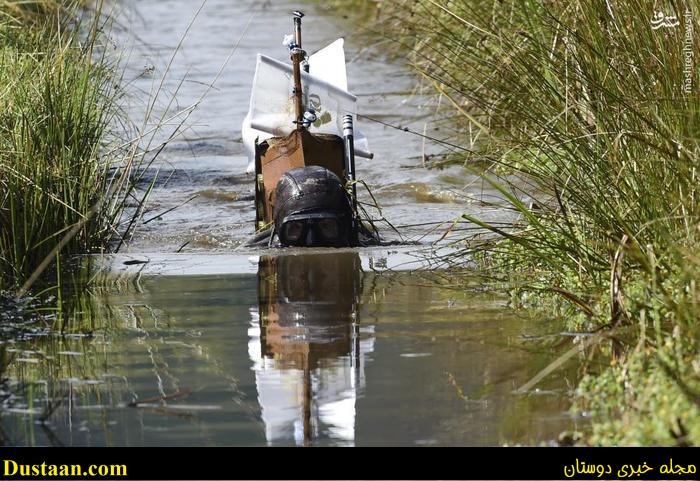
312	209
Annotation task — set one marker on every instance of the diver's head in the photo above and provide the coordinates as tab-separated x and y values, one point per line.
312	209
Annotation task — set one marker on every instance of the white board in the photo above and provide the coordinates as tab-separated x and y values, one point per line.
271	112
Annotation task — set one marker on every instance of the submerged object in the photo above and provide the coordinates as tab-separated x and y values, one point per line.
301	146
312	209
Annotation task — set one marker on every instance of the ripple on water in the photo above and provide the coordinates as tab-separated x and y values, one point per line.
219	195
211	159
388	356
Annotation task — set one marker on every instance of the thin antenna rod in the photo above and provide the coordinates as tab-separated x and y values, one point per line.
297	57
297	27
349	139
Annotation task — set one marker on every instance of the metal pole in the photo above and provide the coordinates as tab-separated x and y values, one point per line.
297	57
297	27
349	138
297	36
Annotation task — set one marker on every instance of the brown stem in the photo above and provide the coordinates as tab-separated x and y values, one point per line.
297	55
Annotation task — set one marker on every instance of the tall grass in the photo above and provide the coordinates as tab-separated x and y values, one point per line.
587	106
60	172
585	101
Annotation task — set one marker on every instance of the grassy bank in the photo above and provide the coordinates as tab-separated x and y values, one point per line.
57	110
595	109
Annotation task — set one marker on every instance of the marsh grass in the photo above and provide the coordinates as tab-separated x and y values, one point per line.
56	112
75	172
584	104
75	176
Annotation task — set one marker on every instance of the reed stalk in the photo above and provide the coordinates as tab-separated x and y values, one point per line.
589	114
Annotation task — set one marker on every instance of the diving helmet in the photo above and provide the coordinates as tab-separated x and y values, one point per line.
312	209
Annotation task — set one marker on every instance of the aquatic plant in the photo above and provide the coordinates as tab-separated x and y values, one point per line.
590	116
56	108
74	172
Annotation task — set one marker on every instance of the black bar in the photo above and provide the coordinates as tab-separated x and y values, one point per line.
359	463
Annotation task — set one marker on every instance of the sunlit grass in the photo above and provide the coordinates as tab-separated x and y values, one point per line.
588	107
72	165
56	109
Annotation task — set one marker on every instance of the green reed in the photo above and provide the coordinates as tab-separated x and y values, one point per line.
66	172
590	118
56	106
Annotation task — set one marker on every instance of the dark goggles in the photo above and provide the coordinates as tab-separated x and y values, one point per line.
313	230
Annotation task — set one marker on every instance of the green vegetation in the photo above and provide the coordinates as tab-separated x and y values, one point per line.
590	117
62	175
588	114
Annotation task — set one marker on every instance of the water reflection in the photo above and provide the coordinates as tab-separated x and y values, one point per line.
305	346
311	350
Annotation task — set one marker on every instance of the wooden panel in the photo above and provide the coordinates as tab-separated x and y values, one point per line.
298	149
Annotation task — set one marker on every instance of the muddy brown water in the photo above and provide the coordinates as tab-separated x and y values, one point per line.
212	344
314	349
207	162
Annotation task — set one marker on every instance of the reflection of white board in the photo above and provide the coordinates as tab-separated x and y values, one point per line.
334	390
271	111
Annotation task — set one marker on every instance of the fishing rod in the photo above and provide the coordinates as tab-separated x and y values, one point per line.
406	129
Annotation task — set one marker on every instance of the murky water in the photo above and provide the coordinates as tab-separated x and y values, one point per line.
316	349
205	166
189	342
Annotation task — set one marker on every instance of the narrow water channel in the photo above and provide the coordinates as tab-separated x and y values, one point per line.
316	349
205	166
205	343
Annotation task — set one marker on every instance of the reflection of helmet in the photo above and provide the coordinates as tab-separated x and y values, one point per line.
312	208
308	304
308	368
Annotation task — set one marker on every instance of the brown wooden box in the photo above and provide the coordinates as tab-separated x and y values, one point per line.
275	156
